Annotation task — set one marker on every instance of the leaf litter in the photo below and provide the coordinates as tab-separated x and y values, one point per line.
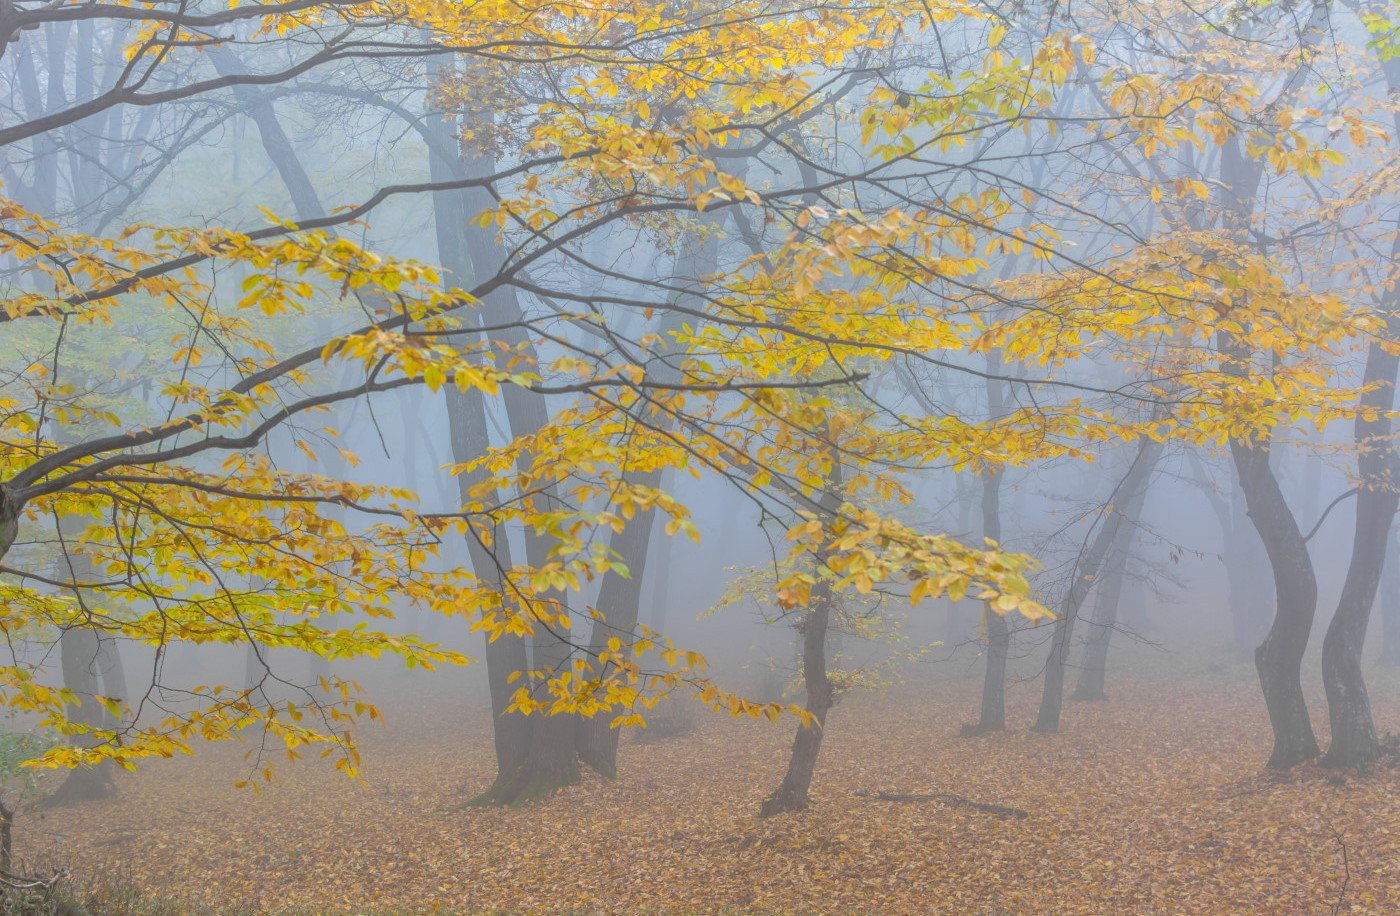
1153	801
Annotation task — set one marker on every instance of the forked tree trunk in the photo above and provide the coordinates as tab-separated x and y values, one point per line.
1279	658
1354	740
1091	560
469	435
1349	708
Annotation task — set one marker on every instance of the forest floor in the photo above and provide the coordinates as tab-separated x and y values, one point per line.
1155	800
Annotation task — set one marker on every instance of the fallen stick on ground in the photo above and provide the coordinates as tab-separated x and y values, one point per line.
945	797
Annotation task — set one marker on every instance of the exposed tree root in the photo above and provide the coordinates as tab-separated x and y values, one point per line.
529	782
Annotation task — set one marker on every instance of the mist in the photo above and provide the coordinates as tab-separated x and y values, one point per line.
757	457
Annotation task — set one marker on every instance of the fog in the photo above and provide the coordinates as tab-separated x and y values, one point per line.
758	457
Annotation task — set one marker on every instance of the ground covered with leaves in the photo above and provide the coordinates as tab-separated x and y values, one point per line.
1154	800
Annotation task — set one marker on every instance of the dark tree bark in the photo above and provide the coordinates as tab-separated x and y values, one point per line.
1279	658
1354	740
791	794
469	433
1091	560
549	760
619	603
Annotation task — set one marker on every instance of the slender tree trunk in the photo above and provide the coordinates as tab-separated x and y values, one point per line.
993	714
468	250
1279	658
1354	740
791	794
1090	561
1090	685
619	603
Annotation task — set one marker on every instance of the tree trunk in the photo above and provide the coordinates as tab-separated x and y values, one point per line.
998	628
1090	561
619	603
791	794
1354	740
1245	563
78	656
112	674
1390	605
619	599
1279	658
1090	685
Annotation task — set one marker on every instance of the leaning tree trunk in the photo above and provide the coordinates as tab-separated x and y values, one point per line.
1279	658
1354	740
1090	685
1090	561
1110	598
